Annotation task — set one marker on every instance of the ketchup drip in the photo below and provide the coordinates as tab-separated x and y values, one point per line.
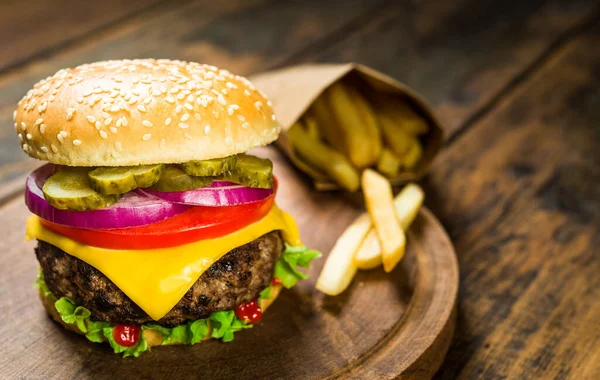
126	335
249	312
276	281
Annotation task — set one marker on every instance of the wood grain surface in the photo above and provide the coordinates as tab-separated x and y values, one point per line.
406	328
516	85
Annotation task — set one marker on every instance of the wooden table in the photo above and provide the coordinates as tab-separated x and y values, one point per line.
516	84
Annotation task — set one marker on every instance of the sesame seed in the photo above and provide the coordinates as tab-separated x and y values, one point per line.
80	99
115	109
185	117
224	91
230	110
135	92
246	92
63	133
118	146
206	129
191	98
119	121
188	106
54	148
98	124
241	118
231	85
258	105
221	99
168	121
23	126
108	121
142	108
76	142
269	103
183	126
60	138
39	121
91	119
245	125
179	108
148	100
103	134
20	137
181	96
146	123
170	99
87	93
273	117
146	137
15	115
113	130
187	136
124	121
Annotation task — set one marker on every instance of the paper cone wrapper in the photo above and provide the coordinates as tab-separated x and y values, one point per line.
293	90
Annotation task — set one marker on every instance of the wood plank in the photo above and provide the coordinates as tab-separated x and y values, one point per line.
459	54
243	36
33	27
519	195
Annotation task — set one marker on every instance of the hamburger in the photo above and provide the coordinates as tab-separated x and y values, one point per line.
153	225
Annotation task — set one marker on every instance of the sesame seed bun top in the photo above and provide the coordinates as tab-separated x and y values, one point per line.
132	112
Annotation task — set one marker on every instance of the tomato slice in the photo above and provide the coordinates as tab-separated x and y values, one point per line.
195	224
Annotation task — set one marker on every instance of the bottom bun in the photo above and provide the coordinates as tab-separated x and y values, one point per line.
153	338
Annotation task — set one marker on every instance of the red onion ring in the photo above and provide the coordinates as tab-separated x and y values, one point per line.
217	194
133	210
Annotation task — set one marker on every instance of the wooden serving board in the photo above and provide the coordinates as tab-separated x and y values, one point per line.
383	326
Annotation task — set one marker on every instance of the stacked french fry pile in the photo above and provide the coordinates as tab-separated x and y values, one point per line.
346	131
363	139
376	237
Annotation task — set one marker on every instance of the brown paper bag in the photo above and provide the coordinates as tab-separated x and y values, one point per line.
293	90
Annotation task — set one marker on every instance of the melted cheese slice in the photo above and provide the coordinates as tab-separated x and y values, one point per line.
157	279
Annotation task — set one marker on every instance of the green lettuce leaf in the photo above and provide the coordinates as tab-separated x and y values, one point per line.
136	351
265	293
198	330
225	324
40	283
95	331
66	309
286	268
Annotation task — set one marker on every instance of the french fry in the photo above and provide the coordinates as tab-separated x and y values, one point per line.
406	204
388	164
380	204
413	155
323	158
328	127
312	129
395	137
409	120
400	112
339	269
370	121
360	136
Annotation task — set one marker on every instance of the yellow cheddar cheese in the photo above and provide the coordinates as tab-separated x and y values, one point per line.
157	279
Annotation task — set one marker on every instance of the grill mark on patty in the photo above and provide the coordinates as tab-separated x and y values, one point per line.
236	278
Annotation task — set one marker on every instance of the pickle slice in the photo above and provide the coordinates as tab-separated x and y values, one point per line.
210	168
175	179
69	189
119	180
251	171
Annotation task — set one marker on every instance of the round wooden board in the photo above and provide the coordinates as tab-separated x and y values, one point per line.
383	326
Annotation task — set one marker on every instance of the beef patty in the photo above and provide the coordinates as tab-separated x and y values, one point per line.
236	278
